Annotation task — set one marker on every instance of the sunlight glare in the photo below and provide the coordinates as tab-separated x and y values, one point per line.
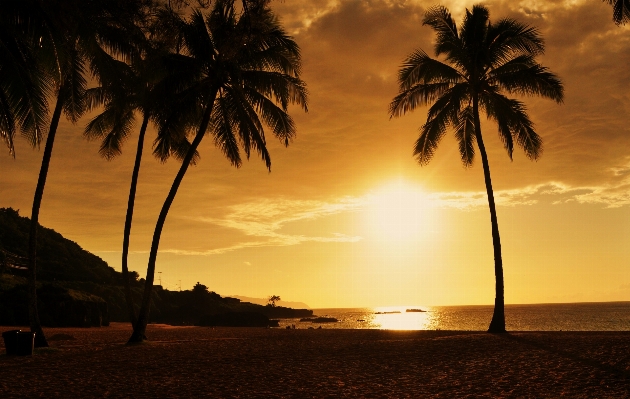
400	212
397	318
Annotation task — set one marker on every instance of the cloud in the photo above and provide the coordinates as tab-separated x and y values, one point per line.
265	219
610	196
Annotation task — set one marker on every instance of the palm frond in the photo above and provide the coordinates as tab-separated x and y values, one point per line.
98	126
465	135
514	124
443	113
417	96
283	88
74	86
249	127
621	10
274	59
509	38
420	68
522	75
222	127
444	94
96	97
430	135
25	87
174	120
275	117
111	146
440	19
7	124
451	102
180	148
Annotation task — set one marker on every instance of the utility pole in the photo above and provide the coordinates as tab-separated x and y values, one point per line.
160	278
180	285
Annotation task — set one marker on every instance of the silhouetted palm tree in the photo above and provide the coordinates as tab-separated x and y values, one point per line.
621	10
72	38
128	89
486	60
237	72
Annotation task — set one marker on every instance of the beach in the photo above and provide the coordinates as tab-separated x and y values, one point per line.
312	363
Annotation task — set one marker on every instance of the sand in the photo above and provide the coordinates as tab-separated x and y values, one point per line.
278	363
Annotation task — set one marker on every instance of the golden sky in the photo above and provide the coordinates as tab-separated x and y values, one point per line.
347	218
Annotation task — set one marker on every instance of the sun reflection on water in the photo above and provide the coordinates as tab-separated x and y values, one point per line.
398	318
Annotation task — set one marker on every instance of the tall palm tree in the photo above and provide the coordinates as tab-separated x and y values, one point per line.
486	60
238	71
621	10
73	36
129	89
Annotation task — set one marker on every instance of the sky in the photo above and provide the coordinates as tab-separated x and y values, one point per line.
347	217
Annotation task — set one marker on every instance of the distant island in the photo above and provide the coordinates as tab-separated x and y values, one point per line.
78	289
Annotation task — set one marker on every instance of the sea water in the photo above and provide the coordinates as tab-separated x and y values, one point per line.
601	316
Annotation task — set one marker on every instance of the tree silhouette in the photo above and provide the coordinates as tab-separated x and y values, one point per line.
70	41
273	299
237	71
486	60
127	89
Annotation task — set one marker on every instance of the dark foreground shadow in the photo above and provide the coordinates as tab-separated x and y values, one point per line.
617	369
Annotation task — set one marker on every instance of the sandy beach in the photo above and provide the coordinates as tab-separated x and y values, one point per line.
279	363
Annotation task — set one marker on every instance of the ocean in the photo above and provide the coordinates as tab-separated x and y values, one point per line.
600	316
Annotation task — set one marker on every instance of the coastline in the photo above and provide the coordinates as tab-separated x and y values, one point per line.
280	363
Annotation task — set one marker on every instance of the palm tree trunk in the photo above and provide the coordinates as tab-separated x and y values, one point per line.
36	327
128	220
497	325
140	328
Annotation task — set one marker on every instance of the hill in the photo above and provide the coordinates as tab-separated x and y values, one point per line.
57	257
77	288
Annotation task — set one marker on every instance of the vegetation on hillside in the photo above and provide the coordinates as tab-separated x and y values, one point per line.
82	282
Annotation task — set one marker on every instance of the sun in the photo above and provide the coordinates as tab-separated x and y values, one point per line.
400	212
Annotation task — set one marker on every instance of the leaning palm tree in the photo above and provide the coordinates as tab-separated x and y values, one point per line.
237	72
621	10
127	90
486	60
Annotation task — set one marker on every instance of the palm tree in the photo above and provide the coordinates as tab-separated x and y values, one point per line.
129	89
486	60
72	37
237	72
621	10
